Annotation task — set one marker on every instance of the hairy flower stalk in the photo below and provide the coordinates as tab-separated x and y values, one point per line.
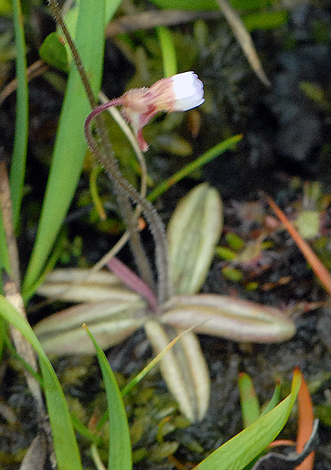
178	93
122	186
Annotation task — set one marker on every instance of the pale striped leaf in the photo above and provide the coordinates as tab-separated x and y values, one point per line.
226	317
110	322
183	368
193	232
79	285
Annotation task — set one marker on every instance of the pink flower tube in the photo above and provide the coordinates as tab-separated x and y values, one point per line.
180	92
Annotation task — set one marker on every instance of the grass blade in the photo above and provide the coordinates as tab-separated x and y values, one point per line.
245	446
274	400
199	162
120	457
244	39
169	57
21	124
65	443
70	146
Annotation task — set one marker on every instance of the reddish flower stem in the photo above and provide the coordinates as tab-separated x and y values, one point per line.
133	281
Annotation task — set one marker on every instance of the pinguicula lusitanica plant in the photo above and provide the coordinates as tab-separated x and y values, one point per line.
170	304
235	454
163	314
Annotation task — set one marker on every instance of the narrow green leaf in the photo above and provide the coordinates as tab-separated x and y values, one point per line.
244	39
187	4
198	163
4	257
138	378
65	443
120	457
265	20
3	337
274	400
245	446
70	146
84	431
17	172
209	4
250	408
111	7
168	51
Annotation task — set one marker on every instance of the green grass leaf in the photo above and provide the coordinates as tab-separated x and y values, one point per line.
17	172
169	57
250	408
274	400
198	163
210	4
120	457
245	446
265	20
65	443
70	145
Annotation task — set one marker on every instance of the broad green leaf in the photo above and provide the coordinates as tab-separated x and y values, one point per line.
70	145
53	52
193	232
226	317
72	15
120	456
65	443
183	368
245	446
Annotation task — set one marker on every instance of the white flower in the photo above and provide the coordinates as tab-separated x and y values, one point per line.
177	93
188	91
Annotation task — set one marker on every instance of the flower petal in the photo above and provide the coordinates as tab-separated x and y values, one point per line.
188	91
